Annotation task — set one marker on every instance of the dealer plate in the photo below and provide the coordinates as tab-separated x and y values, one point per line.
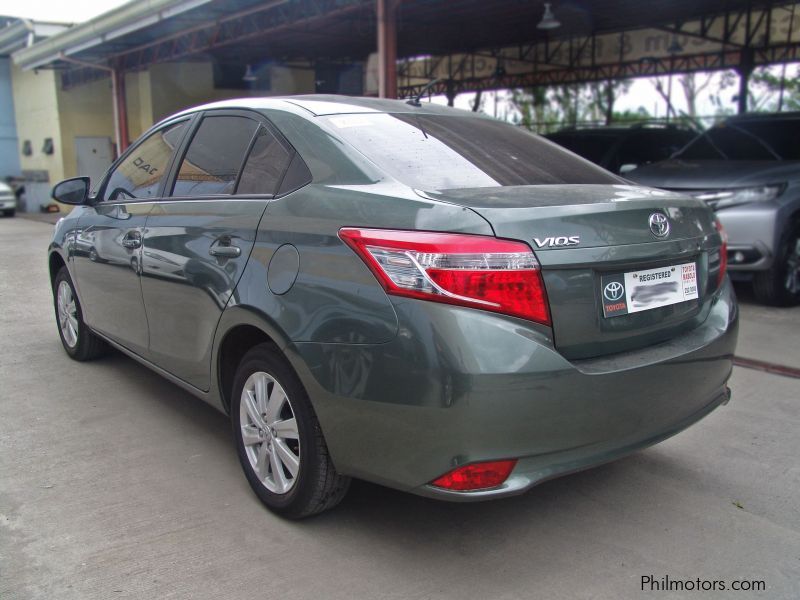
635	291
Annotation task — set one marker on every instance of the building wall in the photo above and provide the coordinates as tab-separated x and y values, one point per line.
177	86
139	100
9	154
37	114
86	111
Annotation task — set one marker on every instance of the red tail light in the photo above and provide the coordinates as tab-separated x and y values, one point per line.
467	270
477	476
723	252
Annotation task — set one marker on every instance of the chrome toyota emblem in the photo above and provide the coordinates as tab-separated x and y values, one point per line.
659	225
613	291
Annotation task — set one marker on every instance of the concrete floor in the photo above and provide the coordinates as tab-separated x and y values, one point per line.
116	484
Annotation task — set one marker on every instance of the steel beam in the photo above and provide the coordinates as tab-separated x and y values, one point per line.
716	61
262	22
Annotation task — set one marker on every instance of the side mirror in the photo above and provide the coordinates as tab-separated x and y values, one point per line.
72	191
627	168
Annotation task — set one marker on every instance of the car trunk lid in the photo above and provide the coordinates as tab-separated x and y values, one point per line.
586	236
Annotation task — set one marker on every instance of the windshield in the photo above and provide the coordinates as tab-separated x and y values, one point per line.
435	152
747	140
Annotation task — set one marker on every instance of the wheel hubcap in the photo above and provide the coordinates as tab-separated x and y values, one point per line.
67	314
792	281
269	432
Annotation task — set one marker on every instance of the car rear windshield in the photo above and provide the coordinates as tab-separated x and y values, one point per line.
436	152
747	140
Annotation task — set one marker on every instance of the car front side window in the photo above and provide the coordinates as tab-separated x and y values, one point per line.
212	162
139	175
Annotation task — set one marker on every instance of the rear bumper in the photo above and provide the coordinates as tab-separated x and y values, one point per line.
533	470
459	386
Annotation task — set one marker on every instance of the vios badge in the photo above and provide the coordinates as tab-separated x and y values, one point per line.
659	224
613	291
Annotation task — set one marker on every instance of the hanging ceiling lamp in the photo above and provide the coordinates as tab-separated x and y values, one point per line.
675	47
249	75
549	20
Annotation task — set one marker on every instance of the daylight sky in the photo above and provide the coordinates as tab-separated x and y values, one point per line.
57	10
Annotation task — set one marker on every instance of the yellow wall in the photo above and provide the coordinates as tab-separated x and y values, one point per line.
138	95
177	86
86	111
37	115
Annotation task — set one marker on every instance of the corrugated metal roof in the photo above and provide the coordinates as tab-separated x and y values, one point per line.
146	32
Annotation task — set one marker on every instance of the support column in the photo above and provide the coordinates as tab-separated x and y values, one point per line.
450	93
745	69
387	48
120	109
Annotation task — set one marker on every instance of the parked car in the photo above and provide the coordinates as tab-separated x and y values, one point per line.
8	200
622	149
747	168
417	296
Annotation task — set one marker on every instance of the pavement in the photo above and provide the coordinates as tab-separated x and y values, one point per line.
115	483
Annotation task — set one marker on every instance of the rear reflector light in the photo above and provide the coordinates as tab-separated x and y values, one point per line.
468	270
477	476
723	252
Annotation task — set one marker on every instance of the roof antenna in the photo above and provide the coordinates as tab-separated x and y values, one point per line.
429	85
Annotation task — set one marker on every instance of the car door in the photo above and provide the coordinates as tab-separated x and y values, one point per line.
198	239
108	244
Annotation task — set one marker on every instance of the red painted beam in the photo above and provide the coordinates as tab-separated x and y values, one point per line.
387	47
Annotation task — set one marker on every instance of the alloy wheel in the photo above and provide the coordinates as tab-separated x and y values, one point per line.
67	314
269	432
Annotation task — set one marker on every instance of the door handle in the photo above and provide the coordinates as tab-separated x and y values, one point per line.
223	248
132	240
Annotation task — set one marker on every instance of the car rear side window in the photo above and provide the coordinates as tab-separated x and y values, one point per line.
437	152
140	173
265	165
211	164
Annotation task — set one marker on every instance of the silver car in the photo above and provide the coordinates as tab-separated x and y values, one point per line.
747	168
8	201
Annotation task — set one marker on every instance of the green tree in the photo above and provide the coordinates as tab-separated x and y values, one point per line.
774	89
603	95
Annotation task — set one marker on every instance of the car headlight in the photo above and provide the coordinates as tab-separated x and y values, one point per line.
733	197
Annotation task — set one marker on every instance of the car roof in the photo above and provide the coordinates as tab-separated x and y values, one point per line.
781	116
616	130
329	104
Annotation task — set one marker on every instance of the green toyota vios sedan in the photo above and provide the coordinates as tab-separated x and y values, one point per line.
409	294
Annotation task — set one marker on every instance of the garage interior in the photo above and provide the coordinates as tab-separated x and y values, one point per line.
398	49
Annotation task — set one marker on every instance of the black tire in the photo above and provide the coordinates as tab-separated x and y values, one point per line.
88	345
9	213
317	486
770	286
